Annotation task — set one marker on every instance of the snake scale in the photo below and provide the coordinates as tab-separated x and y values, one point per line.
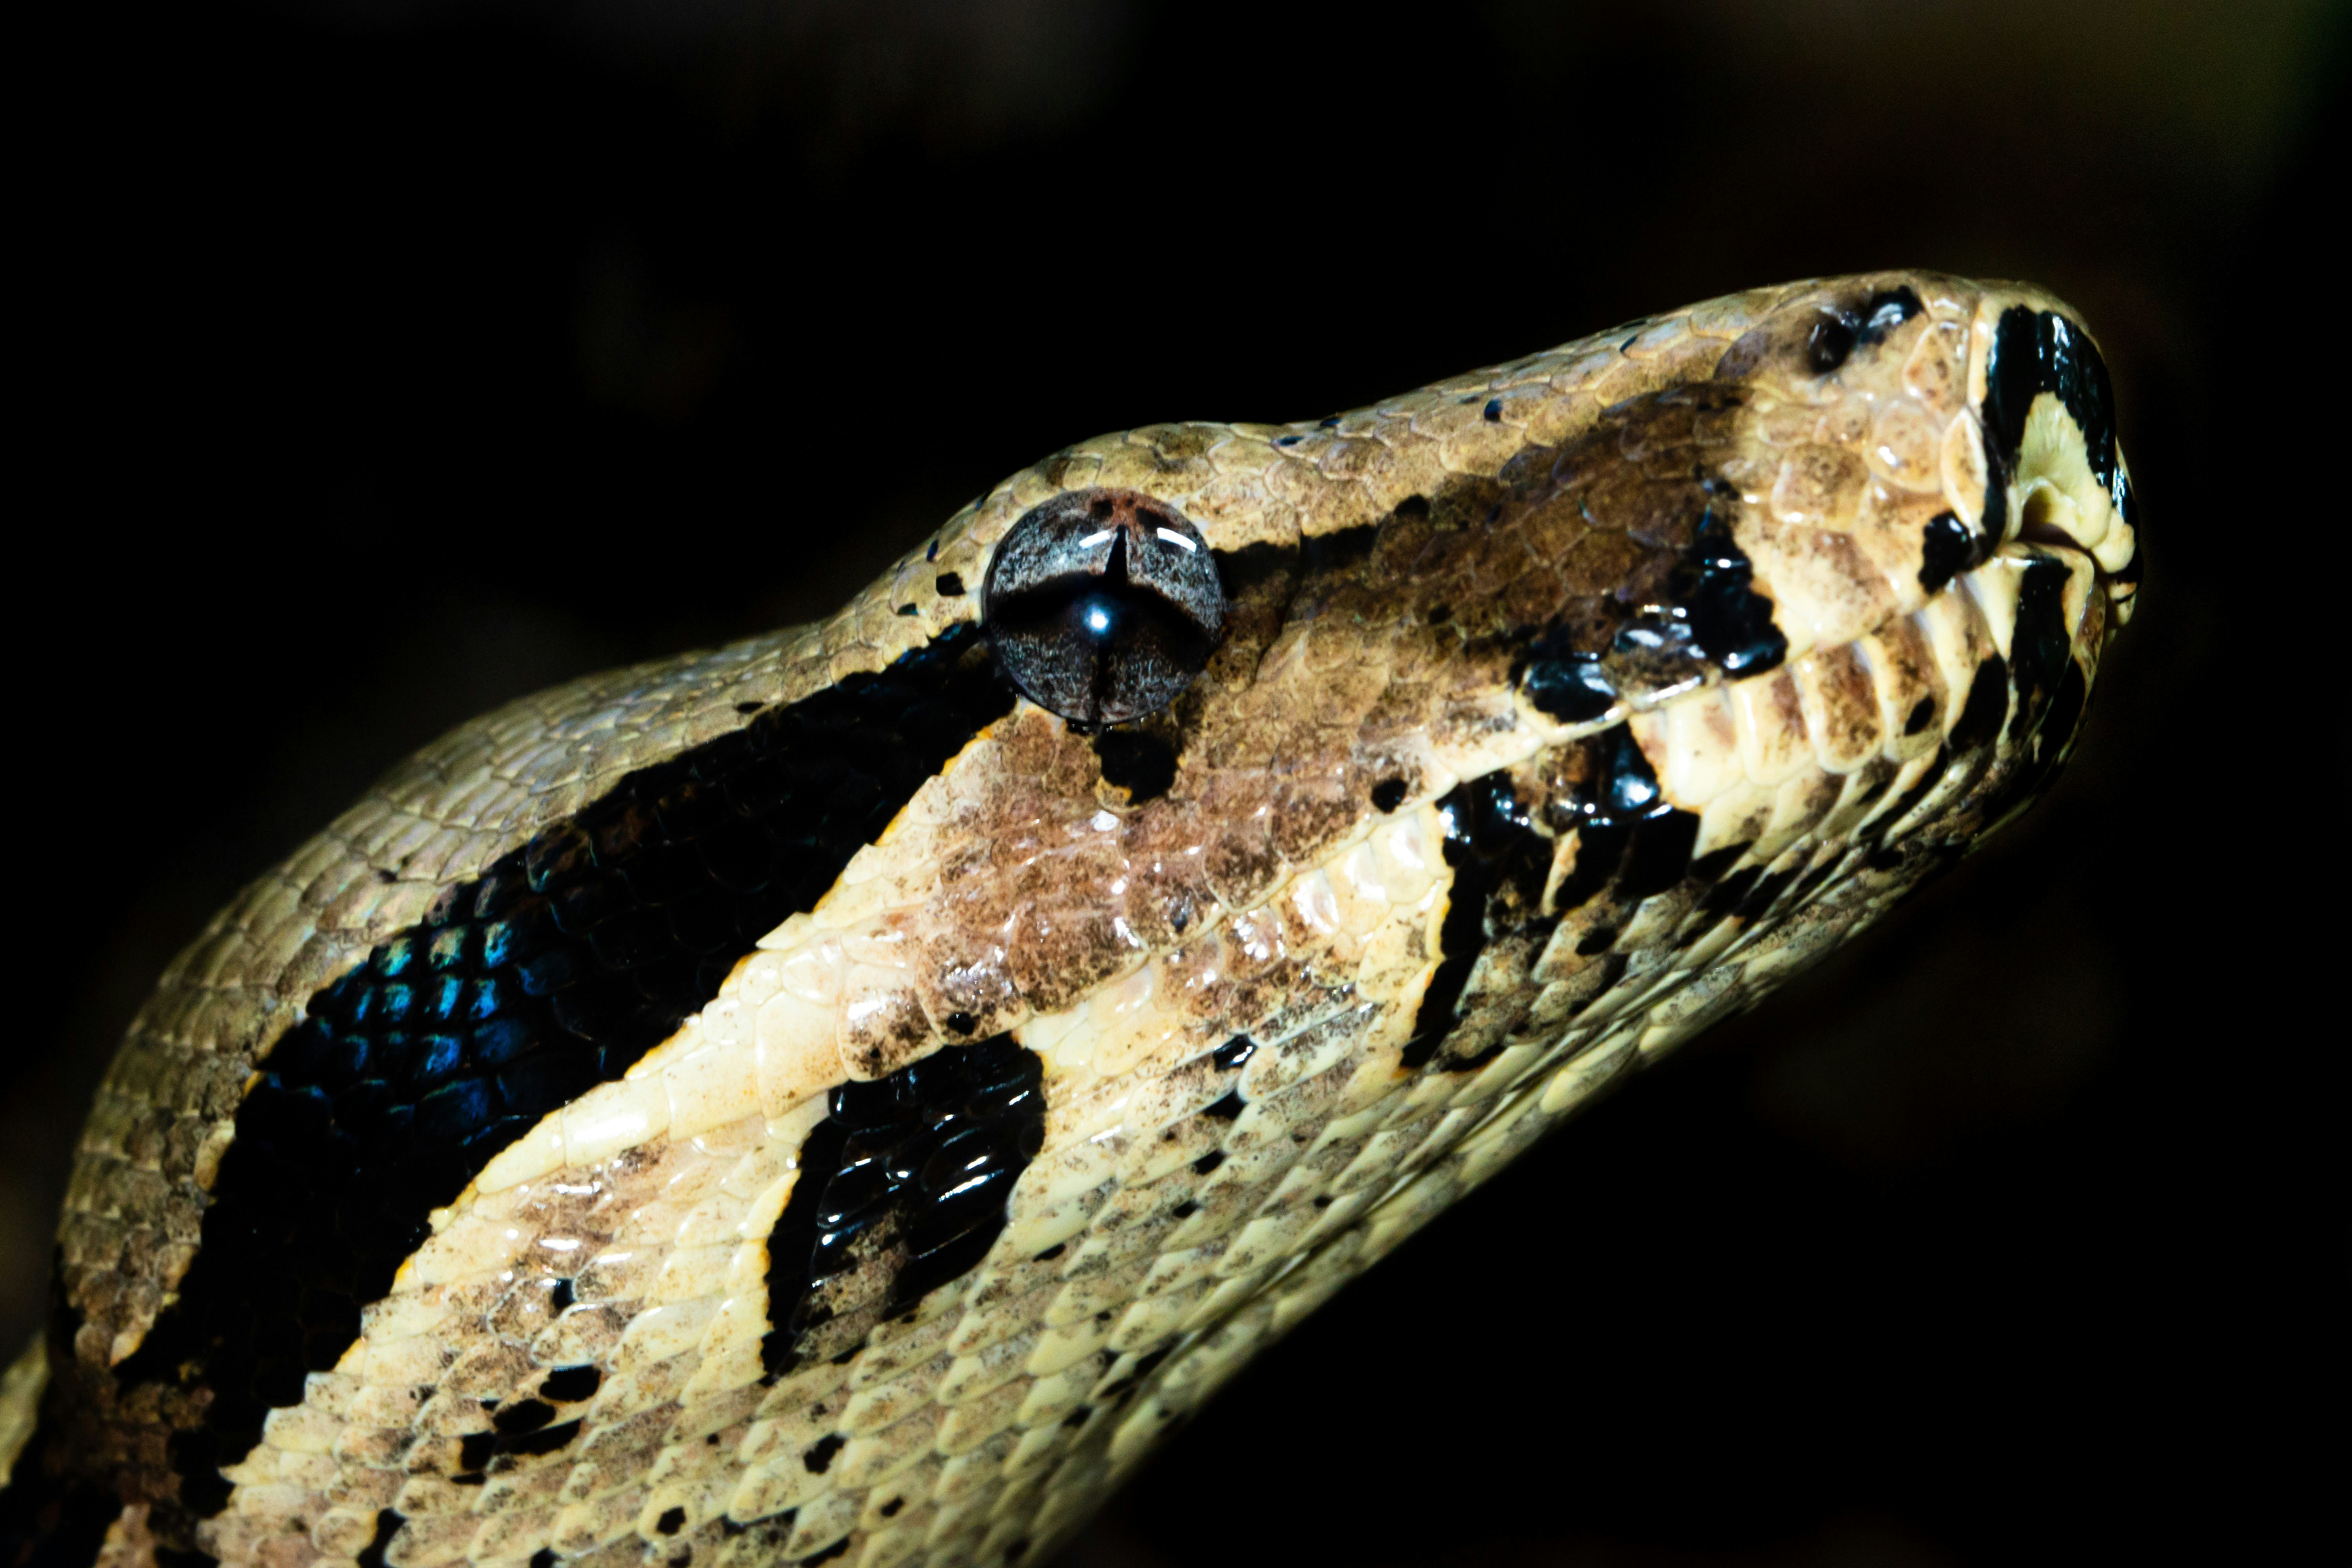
845	1096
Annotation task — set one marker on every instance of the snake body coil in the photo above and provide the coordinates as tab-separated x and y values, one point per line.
844	1096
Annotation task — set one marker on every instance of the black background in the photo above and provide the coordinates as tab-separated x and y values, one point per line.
382	360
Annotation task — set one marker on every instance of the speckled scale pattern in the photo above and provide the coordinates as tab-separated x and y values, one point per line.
1389	906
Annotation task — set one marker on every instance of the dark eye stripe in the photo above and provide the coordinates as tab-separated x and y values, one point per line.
553	972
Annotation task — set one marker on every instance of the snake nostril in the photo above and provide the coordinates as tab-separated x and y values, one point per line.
2045	518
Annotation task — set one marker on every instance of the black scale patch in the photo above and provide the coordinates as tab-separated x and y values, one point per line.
2034	352
1947	548
561	966
1631	843
1702	611
902	1189
1500	865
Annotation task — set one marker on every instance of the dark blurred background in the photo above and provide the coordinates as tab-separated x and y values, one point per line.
388	358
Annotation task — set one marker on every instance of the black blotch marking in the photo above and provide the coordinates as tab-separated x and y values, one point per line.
2035	353
546	1440
1829	342
1729	621
931	550
570	1384
1995	521
1987	705
1630	842
1340	551
1230	1105
672	1521
559	1298
729	1526
1708	866
2011	380
960	1023
909	1173
1732	890
1078	1417
890	1509
1140	761
1561	681
1475	1059
1659	855
543	1558
387	1525
1759	900
1947	549
1814	881
1330	422
1414	506
2047	748
1910	798
1233	1053
819	1458
1499	863
385	874
1922	714
553	971
1184	1210
749	707
1052	1252
1885	311
2038	646
827	1555
1388	795
950	584
1208	1161
1493	413
1287	440
475	1450
1708	609
908	610
1600	848
1717	903
523	1415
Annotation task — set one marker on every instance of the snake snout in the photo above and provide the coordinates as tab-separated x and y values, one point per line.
2048	411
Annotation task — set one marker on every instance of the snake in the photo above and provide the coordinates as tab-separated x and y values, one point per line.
846	1096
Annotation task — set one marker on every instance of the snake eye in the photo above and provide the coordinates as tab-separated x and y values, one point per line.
1103	604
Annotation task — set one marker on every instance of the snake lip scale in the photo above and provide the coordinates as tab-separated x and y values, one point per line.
845	1096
